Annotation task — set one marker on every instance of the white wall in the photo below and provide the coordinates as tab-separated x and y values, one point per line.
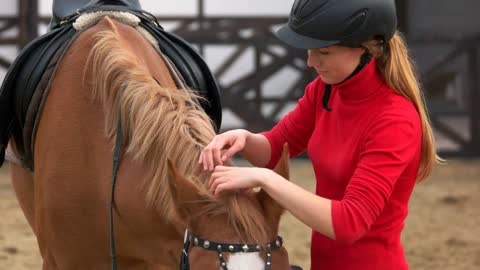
8	7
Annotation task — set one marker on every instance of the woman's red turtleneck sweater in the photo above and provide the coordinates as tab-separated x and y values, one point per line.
366	155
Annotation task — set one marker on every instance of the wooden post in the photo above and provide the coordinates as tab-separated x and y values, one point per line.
474	85
402	15
28	21
201	22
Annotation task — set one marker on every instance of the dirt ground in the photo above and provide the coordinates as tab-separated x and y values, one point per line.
442	230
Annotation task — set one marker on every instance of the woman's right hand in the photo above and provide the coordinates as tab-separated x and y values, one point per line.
232	142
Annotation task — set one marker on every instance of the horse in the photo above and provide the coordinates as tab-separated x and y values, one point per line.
163	211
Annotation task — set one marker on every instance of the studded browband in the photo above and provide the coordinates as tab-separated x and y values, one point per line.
223	247
233	248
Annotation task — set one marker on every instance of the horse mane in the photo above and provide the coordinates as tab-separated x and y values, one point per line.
161	124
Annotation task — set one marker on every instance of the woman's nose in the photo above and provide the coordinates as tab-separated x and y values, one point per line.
312	59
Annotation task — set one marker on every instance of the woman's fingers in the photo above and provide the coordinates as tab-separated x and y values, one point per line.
216	159
230	141
218	172
236	147
212	154
216	183
221	188
219	176
207	153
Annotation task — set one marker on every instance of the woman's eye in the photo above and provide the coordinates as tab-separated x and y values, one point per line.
324	53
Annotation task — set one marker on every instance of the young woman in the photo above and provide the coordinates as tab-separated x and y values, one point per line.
364	125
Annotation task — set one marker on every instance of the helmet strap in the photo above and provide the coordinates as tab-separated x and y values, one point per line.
364	60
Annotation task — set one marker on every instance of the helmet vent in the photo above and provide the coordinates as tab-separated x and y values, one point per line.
355	22
302	10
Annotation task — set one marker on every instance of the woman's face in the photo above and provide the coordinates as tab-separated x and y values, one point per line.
334	63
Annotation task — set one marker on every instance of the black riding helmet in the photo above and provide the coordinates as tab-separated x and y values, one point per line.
321	23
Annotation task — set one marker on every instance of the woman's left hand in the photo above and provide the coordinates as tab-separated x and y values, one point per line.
236	178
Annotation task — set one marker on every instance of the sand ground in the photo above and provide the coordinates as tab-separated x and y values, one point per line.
442	230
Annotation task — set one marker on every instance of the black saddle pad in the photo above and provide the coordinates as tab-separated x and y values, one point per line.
21	81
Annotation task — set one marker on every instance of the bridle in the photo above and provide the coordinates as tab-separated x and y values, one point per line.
220	248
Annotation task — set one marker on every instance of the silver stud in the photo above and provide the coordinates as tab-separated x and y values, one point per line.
245	248
269	255
231	248
195	241
258	247
268	246
220	255
219	248
268	263
223	263
277	243
206	244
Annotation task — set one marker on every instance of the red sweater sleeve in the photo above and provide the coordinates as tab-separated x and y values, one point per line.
295	128
390	146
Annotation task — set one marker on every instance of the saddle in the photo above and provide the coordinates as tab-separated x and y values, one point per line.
30	73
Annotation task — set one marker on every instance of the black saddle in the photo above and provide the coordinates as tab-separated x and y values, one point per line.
27	73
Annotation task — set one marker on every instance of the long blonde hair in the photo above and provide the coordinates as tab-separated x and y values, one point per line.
399	72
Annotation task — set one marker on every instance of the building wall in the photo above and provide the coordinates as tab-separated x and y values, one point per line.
447	18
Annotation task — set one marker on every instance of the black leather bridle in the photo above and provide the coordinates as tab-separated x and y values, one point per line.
220	248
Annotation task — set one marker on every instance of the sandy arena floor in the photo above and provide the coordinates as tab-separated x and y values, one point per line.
442	230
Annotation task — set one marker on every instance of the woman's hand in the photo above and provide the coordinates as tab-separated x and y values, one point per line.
237	178
232	141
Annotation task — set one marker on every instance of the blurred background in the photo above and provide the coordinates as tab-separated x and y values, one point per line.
261	79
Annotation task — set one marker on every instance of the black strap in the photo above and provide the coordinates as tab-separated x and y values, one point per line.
184	261
116	162
326	97
234	248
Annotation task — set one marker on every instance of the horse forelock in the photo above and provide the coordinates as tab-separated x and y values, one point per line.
160	123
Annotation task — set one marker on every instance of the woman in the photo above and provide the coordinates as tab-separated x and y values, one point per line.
364	125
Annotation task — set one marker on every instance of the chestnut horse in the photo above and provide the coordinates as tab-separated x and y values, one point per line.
111	70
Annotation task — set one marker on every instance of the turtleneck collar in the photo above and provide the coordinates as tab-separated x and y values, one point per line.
362	85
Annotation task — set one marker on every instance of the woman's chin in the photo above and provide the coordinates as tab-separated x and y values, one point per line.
326	79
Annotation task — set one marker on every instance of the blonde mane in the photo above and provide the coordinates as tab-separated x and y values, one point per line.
160	124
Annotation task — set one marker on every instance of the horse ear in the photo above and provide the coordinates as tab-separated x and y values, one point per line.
183	191
274	210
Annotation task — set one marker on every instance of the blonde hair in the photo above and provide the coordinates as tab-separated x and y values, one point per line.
399	72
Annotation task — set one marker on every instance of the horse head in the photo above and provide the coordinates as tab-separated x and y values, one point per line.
235	231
